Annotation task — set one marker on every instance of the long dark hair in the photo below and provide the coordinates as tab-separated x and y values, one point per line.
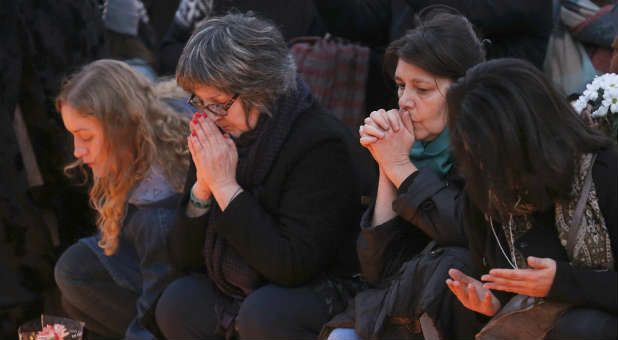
442	43
515	137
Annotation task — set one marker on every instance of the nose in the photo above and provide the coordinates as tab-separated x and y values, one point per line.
78	150
406	102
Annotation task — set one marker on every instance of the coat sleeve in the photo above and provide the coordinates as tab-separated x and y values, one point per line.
318	201
384	248
433	205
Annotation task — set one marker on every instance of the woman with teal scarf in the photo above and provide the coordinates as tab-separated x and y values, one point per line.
418	189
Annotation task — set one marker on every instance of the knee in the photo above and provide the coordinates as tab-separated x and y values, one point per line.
176	309
259	314
70	267
584	323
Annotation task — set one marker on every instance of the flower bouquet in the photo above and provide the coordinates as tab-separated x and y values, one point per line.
51	327
599	103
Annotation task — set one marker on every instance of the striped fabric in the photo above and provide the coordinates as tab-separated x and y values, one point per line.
336	72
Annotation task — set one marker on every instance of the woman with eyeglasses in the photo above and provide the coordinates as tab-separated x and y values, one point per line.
135	147
266	230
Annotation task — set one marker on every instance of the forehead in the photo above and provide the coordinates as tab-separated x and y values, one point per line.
74	121
409	72
208	92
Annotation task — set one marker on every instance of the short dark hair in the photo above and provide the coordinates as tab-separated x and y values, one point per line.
443	43
515	137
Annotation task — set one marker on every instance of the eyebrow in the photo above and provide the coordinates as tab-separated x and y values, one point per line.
211	98
415	80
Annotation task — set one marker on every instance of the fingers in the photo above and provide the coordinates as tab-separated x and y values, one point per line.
457	275
504	288
511	274
458	289
540	263
406	119
502	281
369	121
207	132
371	131
487	303
368	140
473	297
379	117
393	119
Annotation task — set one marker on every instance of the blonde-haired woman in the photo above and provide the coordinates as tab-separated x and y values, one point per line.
135	146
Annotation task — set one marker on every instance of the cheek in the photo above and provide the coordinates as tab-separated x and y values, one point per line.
96	149
434	116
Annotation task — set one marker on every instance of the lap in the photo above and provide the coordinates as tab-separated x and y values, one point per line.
279	312
79	264
584	323
188	308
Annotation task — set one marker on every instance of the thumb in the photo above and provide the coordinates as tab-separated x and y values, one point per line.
539	263
407	121
229	141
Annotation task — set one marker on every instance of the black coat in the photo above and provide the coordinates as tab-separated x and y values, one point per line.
303	222
427	208
582	287
407	281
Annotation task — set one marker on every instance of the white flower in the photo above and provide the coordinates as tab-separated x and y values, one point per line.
600	112
609	84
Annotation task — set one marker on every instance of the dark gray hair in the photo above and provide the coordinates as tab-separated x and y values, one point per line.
239	53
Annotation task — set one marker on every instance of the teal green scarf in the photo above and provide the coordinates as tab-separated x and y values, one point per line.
434	154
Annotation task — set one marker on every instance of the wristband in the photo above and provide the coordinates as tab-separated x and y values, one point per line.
202	204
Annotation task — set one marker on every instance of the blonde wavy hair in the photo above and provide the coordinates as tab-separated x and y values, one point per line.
139	131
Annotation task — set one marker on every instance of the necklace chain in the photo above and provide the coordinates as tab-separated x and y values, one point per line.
510	225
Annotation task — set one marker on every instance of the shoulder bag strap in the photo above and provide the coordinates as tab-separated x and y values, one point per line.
579	210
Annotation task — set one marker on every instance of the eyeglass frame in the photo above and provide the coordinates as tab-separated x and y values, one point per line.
193	101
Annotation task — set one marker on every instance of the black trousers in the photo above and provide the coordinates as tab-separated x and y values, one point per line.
186	310
584	323
90	294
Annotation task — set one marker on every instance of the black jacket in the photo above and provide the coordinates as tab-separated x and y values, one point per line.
407	281
302	222
427	208
582	287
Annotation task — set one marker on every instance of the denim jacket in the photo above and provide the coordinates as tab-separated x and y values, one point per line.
141	263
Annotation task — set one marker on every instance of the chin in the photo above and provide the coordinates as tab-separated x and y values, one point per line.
422	136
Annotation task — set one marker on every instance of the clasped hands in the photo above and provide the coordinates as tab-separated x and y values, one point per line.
477	296
215	157
389	136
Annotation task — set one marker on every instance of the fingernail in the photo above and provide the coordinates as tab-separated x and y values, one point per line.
198	115
226	136
194	121
193	134
205	115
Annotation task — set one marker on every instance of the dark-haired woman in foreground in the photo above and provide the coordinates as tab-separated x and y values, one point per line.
525	156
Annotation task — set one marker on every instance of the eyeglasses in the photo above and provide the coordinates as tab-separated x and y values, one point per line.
214	108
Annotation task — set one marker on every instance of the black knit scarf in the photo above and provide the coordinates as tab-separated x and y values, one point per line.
257	150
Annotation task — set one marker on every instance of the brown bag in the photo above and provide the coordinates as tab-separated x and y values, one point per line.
527	317
523	317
